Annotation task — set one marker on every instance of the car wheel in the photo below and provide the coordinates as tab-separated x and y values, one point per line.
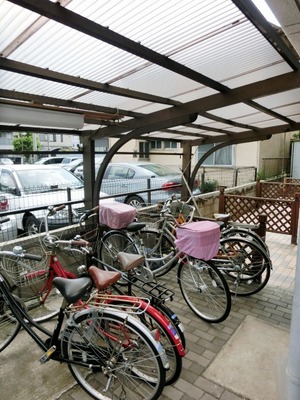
135	201
32	226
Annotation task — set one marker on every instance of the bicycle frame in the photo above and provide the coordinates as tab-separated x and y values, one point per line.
50	346
55	269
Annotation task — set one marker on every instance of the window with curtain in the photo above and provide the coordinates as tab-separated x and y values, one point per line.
220	157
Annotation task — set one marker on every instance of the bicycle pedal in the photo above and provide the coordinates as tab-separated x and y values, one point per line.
46	357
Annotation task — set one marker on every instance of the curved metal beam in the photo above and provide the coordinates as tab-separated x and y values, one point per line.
218	147
132	135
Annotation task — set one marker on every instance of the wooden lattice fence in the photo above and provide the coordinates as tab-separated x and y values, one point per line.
278	190
282	214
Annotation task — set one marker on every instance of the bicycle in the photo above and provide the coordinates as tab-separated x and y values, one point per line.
150	315
33	281
241	259
111	354
202	285
45	301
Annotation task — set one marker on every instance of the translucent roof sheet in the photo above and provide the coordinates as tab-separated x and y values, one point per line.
161	64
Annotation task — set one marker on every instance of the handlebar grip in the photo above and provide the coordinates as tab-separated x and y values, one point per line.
88	213
58	208
33	257
80	242
93	211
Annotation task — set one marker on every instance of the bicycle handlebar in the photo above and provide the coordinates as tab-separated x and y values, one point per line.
18	251
88	213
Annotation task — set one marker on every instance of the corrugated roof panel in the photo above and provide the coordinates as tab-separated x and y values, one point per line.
292	111
159	24
234	111
258	74
280	99
14	20
28	84
256	118
238	51
269	123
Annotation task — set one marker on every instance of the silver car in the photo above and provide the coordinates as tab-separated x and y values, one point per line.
8	224
126	181
35	187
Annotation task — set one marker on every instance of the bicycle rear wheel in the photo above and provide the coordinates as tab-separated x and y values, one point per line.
246	234
152	319
114	356
204	289
174	320
246	267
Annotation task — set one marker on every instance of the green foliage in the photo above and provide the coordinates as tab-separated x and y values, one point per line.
209	186
296	136
24	143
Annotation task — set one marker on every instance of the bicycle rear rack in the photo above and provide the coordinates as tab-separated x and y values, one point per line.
157	291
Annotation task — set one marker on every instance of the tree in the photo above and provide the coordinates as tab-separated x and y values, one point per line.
24	143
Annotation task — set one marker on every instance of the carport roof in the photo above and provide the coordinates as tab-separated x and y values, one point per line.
189	70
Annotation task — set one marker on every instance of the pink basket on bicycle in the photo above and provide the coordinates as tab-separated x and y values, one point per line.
116	215
198	239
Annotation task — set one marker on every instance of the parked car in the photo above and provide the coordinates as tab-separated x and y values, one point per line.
77	166
8	224
6	161
71	166
40	186
134	177
57	160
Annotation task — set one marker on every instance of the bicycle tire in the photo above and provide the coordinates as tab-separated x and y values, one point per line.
159	251
150	318
9	326
105	344
245	266
174	320
246	234
204	289
111	244
40	309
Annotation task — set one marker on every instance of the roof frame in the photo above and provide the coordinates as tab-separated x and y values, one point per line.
141	122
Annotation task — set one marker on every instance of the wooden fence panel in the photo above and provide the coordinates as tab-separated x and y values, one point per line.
282	214
277	190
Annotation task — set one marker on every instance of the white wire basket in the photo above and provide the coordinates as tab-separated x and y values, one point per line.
23	272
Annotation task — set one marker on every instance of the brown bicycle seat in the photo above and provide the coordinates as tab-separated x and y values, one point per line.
103	279
130	261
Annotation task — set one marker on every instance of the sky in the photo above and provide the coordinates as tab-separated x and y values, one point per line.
266	11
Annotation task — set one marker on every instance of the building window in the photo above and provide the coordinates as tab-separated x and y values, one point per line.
156	144
222	156
144	150
170	144
101	144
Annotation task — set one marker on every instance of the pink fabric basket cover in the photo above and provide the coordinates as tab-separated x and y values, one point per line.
116	215
199	239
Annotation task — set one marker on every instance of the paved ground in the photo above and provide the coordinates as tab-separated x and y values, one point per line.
209	352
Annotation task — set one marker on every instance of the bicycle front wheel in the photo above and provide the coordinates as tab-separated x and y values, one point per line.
42	300
112	243
204	289
159	251
9	326
113	356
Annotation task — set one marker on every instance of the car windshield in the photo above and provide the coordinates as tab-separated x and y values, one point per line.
159	170
34	180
